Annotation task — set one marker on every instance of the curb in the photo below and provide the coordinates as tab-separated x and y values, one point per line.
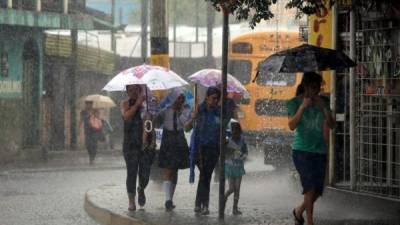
59	169
106	217
103	213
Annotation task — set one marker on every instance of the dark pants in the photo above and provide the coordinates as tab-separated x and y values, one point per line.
91	144
206	164
137	162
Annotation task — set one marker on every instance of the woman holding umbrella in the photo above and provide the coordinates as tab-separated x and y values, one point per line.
137	161
208	120
90	133
307	114
174	150
135	147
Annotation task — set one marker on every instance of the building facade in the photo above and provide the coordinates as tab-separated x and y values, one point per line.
368	159
22	41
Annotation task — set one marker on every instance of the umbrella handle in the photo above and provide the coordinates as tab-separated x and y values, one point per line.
147	104
196	98
148	126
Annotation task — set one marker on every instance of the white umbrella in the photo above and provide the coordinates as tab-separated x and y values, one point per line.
99	101
154	77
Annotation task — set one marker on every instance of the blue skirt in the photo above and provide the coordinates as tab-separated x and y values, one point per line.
311	168
234	171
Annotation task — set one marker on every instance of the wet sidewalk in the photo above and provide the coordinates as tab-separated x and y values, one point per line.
67	160
267	197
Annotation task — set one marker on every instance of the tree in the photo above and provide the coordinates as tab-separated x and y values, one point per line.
257	10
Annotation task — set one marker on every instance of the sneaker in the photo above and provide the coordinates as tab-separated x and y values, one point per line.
169	205
205	211
141	197
236	211
197	209
132	207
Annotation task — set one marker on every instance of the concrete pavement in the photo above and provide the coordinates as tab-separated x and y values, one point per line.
267	197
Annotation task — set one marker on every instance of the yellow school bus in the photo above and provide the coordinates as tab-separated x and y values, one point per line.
265	109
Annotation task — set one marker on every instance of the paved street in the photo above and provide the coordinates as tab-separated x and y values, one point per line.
54	193
265	199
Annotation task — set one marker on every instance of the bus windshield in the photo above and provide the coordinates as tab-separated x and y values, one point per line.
265	110
241	69
276	79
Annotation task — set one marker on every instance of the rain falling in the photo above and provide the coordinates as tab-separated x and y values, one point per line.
199	112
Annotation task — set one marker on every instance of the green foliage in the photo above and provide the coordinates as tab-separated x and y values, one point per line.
254	10
257	10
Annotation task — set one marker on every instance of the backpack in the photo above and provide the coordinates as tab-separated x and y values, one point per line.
95	123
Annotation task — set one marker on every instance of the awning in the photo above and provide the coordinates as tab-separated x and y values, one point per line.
50	20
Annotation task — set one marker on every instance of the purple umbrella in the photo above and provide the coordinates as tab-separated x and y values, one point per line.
212	77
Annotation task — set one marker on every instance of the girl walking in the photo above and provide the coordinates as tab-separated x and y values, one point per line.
208	119
138	162
308	112
234	164
174	150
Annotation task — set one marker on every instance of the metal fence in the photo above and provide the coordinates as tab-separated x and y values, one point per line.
378	108
186	49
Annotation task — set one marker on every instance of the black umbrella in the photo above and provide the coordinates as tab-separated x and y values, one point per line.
305	58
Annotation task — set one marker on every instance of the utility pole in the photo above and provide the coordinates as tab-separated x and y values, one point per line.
175	17
352	100
159	33
197	21
222	146
144	24
73	75
210	26
113	41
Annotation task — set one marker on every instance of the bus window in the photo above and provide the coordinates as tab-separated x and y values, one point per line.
241	69
277	79
271	107
242	100
242	47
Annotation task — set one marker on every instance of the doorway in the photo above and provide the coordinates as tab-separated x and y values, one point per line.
30	94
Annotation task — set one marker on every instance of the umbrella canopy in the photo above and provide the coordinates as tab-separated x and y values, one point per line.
154	77
305	58
174	94
212	77
99	101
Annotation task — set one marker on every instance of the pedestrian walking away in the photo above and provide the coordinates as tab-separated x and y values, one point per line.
174	150
92	128
138	161
309	114
207	125
234	164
